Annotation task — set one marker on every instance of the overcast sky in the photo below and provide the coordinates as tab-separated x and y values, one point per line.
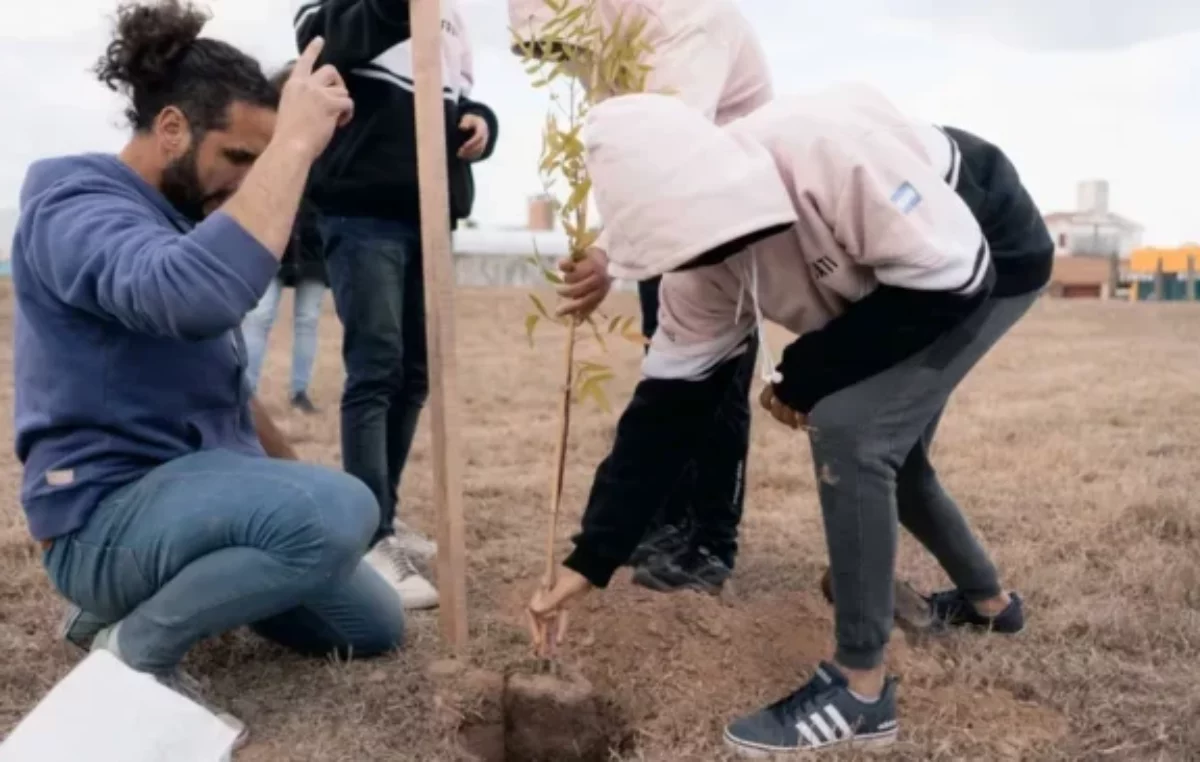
1071	89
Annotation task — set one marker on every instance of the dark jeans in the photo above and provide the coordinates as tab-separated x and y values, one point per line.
870	446
217	540
711	493
376	278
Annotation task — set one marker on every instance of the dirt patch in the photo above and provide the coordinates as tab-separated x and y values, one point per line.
558	718
1084	491
539	712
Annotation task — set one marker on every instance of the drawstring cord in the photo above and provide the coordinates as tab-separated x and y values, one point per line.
769	373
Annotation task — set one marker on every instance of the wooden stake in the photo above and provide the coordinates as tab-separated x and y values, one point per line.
426	19
560	457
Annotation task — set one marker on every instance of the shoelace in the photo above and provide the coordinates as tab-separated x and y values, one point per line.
801	703
400	560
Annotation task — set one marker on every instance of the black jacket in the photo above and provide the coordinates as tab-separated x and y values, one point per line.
370	167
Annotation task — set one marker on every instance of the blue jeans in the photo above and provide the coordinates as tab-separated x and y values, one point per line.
377	281
217	540
306	316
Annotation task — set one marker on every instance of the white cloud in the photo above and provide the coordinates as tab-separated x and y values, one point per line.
1071	89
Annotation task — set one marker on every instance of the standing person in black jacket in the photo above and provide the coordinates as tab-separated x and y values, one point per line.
366	188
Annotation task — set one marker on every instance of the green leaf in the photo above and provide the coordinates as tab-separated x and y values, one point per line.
596	333
541	308
531	321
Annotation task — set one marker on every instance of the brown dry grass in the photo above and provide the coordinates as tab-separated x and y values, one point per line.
1073	447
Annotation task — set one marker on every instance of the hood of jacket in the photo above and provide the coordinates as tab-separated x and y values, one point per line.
703	51
671	186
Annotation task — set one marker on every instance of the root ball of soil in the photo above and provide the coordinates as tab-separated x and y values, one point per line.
556	718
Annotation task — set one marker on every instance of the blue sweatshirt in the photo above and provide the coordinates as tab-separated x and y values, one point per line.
128	350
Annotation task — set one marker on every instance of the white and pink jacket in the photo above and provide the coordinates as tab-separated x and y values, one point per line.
870	194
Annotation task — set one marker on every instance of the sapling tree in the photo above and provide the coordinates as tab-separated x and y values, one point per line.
578	60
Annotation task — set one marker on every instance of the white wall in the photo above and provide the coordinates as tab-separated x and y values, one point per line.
1101	239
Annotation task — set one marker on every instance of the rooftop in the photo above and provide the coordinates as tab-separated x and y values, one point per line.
1108	219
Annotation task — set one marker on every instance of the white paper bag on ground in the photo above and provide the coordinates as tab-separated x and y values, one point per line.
103	711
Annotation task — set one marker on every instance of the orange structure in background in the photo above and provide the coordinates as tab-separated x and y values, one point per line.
1165	274
1145	260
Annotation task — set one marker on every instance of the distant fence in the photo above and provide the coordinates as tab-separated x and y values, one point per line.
490	257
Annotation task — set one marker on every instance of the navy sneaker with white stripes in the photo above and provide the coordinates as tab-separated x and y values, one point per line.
821	715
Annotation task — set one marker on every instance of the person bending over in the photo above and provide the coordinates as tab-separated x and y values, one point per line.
899	252
169	506
707	54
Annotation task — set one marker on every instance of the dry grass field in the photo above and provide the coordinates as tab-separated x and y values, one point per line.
1075	448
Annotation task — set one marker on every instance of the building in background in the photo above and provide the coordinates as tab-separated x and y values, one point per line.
1081	277
1167	275
543	212
1093	229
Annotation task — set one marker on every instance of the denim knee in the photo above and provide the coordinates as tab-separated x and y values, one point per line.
387	630
352	517
330	527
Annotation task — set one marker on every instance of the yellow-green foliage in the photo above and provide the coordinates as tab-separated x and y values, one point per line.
574	46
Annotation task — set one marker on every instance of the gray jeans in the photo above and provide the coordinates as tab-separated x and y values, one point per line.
870	445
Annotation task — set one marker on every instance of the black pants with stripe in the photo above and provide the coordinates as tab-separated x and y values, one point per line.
711	494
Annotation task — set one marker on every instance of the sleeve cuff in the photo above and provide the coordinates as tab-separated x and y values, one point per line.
798	389
596	568
484	112
229	242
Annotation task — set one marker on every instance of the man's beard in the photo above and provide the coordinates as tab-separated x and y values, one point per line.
181	186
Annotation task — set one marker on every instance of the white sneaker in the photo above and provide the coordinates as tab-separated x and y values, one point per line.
413	542
391	560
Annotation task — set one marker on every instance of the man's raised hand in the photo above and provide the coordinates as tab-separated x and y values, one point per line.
313	104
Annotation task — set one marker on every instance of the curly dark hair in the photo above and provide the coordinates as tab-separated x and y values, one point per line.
157	59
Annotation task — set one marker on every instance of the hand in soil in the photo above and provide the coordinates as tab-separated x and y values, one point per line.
547	612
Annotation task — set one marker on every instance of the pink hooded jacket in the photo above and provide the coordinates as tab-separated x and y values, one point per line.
871	193
704	50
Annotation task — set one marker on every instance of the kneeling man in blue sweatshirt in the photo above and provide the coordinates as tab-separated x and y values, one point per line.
169	507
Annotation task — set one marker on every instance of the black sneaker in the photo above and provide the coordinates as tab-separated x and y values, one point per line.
821	715
950	608
694	569
668	540
301	402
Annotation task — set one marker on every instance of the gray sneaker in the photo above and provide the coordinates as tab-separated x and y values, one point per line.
177	680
